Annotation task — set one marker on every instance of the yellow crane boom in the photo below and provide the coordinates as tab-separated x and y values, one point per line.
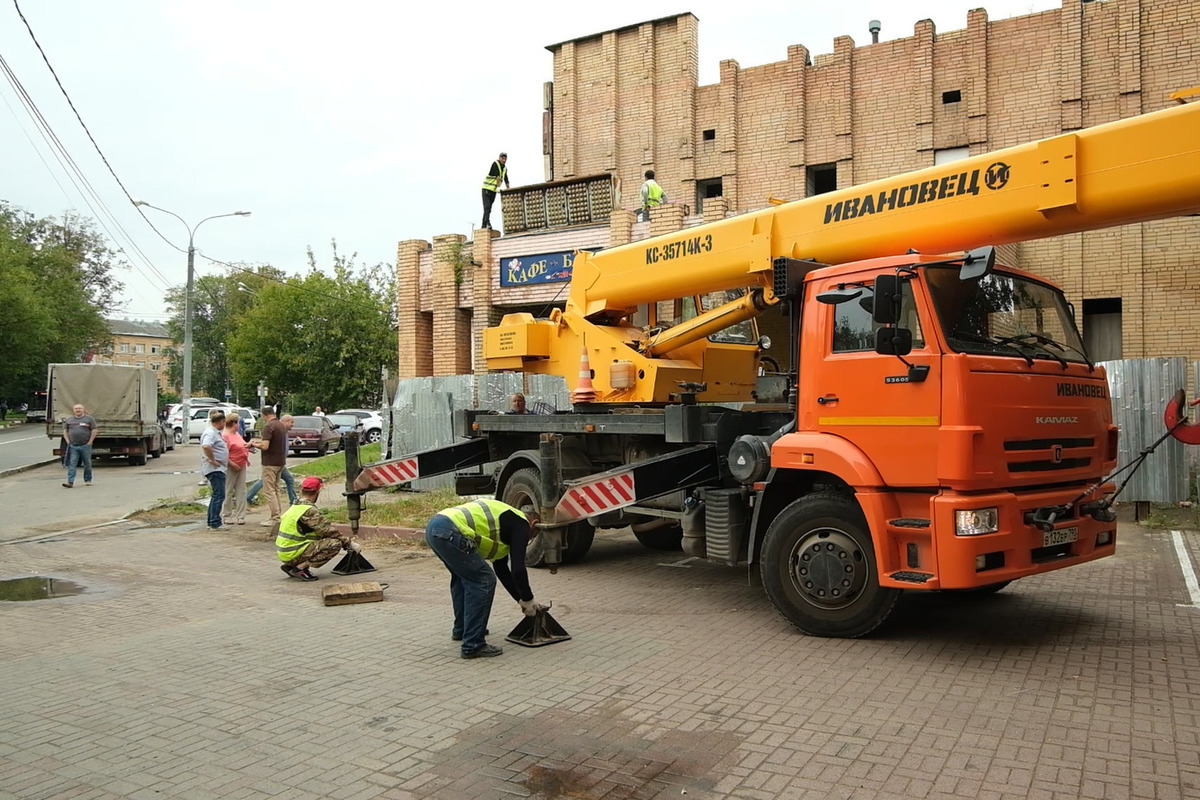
1132	170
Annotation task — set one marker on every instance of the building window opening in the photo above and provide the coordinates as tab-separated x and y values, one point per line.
1102	328
953	96
706	190
709	134
821	178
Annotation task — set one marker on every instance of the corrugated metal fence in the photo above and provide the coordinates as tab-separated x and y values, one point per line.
423	411
423	408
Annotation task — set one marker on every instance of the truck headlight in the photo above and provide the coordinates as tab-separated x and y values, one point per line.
976	521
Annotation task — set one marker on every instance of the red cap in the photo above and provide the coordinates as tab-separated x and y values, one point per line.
311	484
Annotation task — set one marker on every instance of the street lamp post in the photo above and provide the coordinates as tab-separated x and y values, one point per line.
187	308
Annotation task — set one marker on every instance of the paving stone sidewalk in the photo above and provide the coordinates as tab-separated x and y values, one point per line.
192	668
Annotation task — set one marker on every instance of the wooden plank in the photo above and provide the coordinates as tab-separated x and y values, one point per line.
340	594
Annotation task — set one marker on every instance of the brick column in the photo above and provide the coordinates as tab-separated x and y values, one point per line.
415	336
715	208
451	325
620	227
486	277
666	218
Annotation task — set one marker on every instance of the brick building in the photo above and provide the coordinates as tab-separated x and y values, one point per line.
627	100
138	344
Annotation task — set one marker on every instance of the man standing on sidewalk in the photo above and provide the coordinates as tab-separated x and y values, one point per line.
215	459
273	442
79	432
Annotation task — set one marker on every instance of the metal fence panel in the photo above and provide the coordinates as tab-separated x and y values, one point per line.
1140	389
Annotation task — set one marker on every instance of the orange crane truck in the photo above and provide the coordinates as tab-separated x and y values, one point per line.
940	426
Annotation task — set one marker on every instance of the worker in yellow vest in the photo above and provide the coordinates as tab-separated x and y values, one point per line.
306	539
467	538
497	175
652	195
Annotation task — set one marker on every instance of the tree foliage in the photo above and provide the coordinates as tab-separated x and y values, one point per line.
57	284
322	339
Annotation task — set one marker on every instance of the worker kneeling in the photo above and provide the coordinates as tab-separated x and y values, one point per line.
466	538
306	539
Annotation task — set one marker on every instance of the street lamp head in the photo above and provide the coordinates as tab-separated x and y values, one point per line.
140	203
241	213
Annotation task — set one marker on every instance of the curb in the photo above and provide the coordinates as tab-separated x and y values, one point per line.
383	532
27	467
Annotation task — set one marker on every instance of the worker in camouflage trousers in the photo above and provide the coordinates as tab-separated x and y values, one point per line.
306	539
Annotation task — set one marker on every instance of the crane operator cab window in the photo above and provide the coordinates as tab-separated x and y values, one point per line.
854	329
1004	314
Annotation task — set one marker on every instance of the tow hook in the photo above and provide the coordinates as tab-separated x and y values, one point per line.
1045	517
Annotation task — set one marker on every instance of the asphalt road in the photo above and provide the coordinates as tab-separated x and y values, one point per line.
35	501
22	445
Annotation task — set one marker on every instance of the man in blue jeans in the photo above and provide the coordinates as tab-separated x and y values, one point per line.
79	432
288	481
466	538
213	462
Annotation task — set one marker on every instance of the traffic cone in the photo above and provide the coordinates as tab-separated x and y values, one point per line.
584	391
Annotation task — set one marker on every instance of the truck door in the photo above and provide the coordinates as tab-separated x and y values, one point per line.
869	398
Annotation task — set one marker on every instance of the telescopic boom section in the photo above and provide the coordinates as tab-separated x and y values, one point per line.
1133	170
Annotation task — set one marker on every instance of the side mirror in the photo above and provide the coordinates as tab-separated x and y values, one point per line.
886	308
979	262
893	341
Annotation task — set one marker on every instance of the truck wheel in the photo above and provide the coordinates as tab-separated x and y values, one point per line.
523	491
819	571
667	539
155	452
138	460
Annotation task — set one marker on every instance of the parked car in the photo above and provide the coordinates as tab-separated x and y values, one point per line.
314	434
345	423
372	430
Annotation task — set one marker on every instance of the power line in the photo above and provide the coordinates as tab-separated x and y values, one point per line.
72	170
103	158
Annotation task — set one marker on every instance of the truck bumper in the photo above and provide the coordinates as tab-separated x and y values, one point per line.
945	556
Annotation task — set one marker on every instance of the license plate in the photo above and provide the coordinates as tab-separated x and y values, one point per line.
1060	536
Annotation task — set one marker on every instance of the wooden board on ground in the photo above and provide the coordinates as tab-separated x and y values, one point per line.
340	594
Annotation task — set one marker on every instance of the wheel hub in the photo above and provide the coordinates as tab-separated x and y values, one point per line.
827	568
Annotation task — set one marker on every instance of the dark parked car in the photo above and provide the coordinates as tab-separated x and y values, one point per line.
314	434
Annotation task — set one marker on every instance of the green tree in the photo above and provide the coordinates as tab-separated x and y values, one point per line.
323	339
57	284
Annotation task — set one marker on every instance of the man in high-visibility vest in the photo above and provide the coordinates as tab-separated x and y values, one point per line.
497	175
306	539
466	538
652	194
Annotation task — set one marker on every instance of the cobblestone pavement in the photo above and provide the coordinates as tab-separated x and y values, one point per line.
192	668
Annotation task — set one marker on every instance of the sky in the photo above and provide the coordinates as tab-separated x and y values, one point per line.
367	123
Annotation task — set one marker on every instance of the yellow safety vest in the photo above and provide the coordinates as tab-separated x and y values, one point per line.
654	194
290	542
479	521
492	182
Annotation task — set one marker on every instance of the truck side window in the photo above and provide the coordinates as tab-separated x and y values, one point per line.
854	330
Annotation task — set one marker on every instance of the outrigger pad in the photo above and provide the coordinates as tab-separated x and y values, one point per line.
352	564
537	630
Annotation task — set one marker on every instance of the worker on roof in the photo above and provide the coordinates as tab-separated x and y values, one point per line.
497	175
652	195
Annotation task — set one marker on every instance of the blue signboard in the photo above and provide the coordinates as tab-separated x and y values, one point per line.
542	268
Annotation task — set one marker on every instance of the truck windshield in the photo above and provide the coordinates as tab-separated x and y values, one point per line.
1004	315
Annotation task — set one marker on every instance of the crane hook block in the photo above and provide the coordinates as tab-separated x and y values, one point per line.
1177	422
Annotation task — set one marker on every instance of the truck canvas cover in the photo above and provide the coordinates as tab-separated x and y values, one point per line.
122	400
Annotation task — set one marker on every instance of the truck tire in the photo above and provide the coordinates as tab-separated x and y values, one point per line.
155	452
138	460
819	570
523	490
667	539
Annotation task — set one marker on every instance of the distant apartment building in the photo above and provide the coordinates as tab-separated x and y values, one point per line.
138	344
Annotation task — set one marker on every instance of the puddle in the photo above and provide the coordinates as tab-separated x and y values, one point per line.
37	588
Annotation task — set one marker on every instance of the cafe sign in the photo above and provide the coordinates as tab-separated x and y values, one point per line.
542	268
